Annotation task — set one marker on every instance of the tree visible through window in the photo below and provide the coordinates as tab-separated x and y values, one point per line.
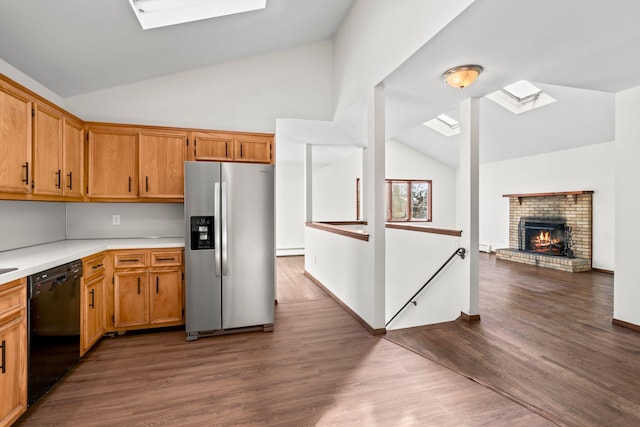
408	200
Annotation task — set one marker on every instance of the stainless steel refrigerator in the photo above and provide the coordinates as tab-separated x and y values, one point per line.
229	247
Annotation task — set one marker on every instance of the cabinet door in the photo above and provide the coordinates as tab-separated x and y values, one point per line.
213	147
92	321
113	161
13	369
253	149
131	299
161	168
47	145
15	142
73	159
166	296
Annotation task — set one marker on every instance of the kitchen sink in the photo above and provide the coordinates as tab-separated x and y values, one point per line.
7	270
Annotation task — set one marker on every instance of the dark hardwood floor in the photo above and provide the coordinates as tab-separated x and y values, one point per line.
318	367
546	340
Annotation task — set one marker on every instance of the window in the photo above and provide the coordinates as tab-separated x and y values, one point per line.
408	200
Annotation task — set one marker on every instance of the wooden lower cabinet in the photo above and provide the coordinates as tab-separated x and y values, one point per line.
131	300
165	298
13	351
148	294
92	300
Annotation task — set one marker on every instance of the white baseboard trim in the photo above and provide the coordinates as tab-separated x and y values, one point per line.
290	252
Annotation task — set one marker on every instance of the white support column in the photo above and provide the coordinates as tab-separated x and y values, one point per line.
468	197
374	199
308	182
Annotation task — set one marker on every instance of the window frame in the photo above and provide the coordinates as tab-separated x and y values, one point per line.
389	183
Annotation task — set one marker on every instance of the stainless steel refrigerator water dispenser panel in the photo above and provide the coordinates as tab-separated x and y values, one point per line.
202	234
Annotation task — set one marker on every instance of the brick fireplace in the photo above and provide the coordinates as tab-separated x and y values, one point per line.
559	232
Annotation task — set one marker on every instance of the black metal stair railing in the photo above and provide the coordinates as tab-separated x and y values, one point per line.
460	252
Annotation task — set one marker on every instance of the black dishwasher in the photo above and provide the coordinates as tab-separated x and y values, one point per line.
54	326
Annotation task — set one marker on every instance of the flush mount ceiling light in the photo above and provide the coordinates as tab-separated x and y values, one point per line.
162	13
462	75
520	97
444	124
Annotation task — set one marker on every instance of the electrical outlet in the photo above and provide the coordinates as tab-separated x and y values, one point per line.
116	219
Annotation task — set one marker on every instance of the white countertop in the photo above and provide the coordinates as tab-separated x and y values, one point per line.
33	259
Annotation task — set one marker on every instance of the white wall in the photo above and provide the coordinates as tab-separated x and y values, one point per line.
334	189
626	297
585	168
31	84
411	258
244	95
290	208
342	265
27	223
379	35
404	162
94	220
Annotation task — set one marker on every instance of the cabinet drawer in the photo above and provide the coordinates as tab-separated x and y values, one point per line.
129	259
93	266
13	299
168	258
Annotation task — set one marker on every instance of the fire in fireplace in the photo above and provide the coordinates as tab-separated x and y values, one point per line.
543	235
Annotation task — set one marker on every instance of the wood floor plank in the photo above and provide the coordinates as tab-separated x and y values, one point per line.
319	367
545	338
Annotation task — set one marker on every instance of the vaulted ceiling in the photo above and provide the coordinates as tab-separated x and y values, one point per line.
581	53
79	46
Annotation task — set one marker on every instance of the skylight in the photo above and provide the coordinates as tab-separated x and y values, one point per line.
444	124
520	97
163	13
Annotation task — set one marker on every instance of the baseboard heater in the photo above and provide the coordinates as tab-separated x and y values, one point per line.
485	247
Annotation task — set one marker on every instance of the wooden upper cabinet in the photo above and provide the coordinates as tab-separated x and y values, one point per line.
73	159
15	141
113	163
162	157
47	147
58	153
212	146
255	149
230	147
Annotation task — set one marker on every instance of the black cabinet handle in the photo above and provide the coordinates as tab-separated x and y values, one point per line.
129	184
226	149
129	260
241	150
146	183
97	266
166	259
138	286
58	184
93	301
4	353
70	176
157	283
26	176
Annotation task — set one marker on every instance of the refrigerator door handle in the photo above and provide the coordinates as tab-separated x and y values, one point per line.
216	228
224	228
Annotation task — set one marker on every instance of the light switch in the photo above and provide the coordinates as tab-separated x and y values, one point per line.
116	219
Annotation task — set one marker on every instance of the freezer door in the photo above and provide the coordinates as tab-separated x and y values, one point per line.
247	236
202	285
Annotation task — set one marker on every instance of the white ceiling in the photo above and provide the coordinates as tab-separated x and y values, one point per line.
79	46
580	52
